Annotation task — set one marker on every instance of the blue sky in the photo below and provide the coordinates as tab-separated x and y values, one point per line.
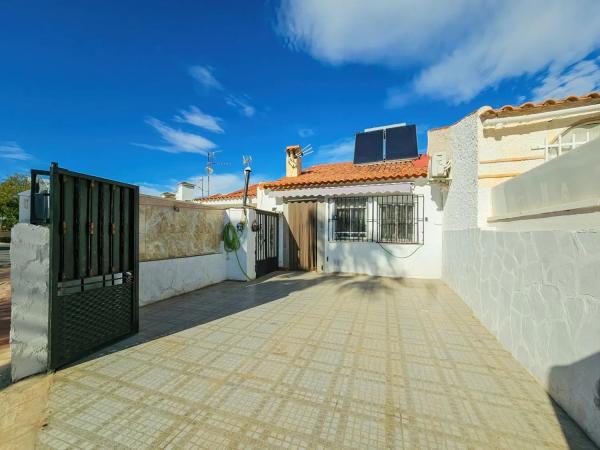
139	94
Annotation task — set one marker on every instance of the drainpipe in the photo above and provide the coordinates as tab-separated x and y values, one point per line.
247	171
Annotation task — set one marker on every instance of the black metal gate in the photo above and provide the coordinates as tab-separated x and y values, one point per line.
267	242
94	268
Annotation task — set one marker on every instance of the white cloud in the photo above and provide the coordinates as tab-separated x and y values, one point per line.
177	141
306	132
579	78
241	104
152	189
339	151
397	98
220	183
12	150
204	76
459	48
196	117
223	183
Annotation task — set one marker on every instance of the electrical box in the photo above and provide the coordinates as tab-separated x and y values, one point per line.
439	166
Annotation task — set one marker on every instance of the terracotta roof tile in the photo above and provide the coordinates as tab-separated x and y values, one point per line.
549	104
349	173
231	195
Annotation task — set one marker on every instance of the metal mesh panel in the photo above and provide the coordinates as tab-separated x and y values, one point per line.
91	318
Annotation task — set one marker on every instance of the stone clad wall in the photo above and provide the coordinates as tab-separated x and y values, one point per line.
539	293
173	229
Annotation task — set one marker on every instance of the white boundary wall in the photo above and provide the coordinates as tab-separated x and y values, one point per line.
538	292
535	288
167	278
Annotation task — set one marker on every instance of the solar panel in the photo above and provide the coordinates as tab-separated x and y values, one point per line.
401	142
368	147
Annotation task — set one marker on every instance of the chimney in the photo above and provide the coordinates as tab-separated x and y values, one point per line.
293	161
185	191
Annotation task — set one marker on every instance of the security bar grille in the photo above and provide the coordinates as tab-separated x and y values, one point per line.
396	219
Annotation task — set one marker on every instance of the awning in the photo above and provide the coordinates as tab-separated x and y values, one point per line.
362	189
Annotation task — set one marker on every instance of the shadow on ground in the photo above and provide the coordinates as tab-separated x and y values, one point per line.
584	375
214	302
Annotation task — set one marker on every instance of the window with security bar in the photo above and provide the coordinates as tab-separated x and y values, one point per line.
396	219
350	219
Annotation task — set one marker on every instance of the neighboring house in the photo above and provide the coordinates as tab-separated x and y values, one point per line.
231	199
490	146
381	218
184	193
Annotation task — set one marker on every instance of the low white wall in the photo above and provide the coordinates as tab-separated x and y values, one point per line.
169	277
409	261
30	298
166	278
567	183
539	293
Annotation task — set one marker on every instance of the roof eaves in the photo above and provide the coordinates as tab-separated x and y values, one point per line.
532	108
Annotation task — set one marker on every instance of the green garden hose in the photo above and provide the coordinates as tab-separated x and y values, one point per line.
232	243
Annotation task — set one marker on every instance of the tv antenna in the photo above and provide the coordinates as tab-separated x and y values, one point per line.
210	163
306	150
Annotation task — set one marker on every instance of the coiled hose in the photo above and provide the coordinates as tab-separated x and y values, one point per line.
231	241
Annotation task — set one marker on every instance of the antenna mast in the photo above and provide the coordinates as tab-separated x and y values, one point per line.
210	162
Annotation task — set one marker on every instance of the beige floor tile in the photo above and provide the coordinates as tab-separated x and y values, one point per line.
334	361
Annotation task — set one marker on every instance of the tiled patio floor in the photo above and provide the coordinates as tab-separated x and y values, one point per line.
324	362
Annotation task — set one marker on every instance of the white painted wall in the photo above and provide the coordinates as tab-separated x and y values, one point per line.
167	278
410	261
461	205
569	182
229	202
30	298
539	294
246	254
535	287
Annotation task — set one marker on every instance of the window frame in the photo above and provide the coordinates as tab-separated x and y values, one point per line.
387	219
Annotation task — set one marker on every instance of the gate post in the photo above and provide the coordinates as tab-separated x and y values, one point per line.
30	282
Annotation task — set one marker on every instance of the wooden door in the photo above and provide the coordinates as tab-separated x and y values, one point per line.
302	224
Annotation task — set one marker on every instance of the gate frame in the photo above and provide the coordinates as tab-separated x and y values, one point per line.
274	266
54	219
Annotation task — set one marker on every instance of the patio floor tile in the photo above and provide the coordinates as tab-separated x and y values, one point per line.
320	361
